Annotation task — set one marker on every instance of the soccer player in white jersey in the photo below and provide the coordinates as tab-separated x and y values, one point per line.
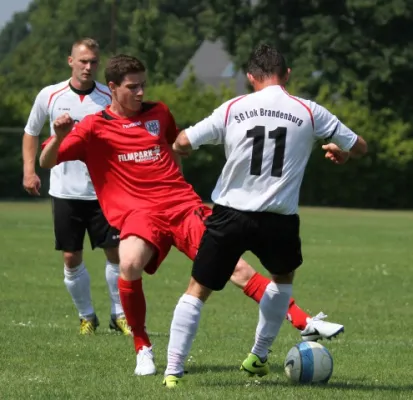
268	137
74	202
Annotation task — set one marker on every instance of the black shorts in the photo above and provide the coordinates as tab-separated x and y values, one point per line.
72	218
273	238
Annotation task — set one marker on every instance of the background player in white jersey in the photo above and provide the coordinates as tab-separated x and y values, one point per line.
74	203
268	137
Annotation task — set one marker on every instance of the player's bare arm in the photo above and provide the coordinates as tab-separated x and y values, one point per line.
182	146
62	126
338	156
359	148
31	182
36	120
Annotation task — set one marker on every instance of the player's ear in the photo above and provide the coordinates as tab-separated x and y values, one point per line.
111	86
70	61
251	79
287	75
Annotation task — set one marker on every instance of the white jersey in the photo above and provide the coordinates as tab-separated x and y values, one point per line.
68	180
268	137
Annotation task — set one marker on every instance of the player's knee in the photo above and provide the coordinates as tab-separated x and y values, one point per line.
197	290
134	254
72	259
130	268
242	274
112	255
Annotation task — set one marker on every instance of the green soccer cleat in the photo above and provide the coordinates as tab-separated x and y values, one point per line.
172	381
254	366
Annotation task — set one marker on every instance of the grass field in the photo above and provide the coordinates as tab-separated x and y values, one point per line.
357	269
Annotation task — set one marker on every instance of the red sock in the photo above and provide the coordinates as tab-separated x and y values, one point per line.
255	287
134	306
297	316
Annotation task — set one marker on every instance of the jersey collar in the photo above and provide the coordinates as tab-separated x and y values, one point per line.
82	92
109	115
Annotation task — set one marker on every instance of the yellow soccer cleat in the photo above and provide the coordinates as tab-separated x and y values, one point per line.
254	366
120	325
172	381
88	326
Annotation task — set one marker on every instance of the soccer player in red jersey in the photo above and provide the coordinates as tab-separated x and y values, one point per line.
128	151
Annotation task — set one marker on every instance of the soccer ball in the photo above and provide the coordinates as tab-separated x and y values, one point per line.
308	362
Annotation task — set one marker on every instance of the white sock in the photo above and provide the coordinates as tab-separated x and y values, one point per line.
112	275
77	281
183	330
273	308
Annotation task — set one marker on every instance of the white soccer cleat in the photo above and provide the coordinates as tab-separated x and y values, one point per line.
317	329
145	362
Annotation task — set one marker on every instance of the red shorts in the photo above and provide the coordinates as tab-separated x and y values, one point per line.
182	227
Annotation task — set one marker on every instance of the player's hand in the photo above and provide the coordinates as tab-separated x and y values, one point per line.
63	125
335	154
177	149
32	184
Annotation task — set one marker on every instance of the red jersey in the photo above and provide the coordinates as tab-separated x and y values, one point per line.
130	161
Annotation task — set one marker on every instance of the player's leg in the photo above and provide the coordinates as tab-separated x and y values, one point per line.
69	229
272	309
135	253
184	327
275	240
311	328
143	246
117	315
254	284
102	235
189	228
213	266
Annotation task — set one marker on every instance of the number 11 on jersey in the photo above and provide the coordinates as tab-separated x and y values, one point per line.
258	135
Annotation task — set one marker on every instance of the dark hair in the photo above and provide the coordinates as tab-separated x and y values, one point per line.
266	61
121	65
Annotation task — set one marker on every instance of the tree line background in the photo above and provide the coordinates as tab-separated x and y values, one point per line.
353	56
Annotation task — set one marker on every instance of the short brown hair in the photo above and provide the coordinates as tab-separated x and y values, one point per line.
90	43
121	65
266	61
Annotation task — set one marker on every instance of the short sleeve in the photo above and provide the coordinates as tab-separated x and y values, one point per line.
210	130
328	127
38	114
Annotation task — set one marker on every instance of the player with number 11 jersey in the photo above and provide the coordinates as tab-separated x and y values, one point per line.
268	137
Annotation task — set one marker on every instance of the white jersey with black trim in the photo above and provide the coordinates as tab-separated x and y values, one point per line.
268	137
68	180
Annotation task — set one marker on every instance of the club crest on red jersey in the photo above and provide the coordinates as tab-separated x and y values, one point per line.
153	127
